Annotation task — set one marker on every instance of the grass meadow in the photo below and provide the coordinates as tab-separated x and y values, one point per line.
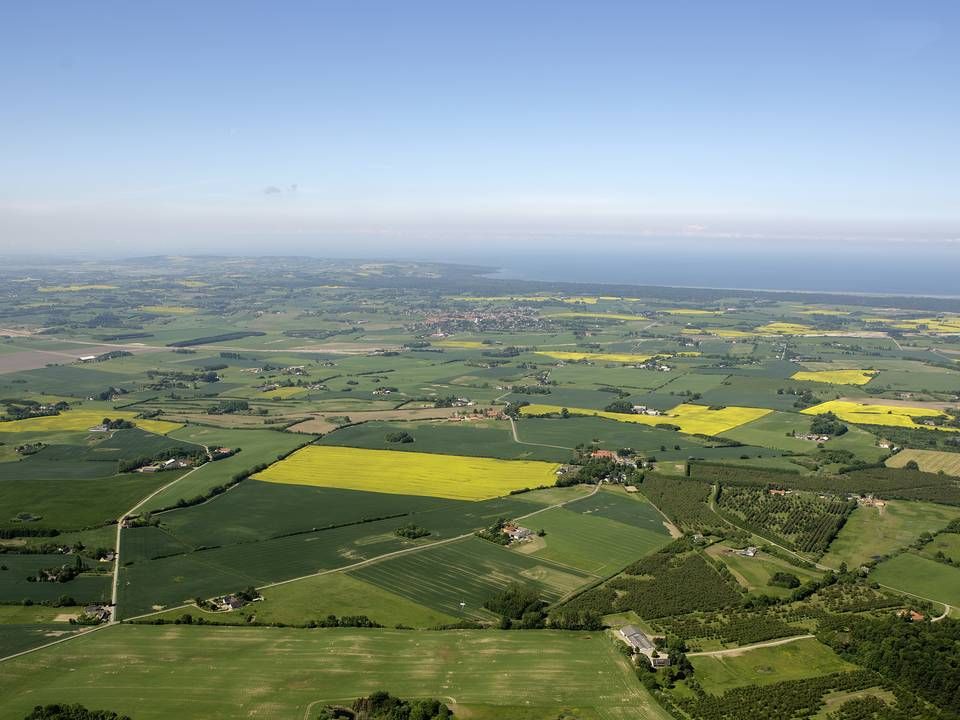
767	665
872	532
208	673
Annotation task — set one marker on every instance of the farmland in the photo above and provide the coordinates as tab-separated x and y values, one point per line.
836	377
765	666
921	576
451	476
691	419
892	415
292	669
602	357
927	460
422	448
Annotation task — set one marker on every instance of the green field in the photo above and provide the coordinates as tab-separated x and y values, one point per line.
767	665
469	571
590	542
755	573
920	576
314	598
932	461
871	532
212	673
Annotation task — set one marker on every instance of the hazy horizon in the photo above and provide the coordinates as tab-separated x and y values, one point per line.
431	126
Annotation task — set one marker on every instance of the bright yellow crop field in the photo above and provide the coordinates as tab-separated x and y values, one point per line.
456	477
281	392
932	325
836	377
891	415
610	357
783	328
691	419
84	420
470	344
168	309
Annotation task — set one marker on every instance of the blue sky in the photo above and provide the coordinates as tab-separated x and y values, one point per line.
303	125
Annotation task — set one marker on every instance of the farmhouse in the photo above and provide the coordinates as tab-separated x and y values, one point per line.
642	645
516	533
99	613
747	552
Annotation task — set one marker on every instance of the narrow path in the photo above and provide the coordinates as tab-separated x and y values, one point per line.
748	648
131	511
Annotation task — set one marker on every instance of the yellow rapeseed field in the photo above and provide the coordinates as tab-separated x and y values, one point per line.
471	344
783	328
691	419
84	420
607	357
891	415
456	477
944	325
836	377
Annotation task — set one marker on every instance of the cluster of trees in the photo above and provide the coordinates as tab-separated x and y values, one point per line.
803	521
71	712
518	606
18	409
197	455
495	533
384	706
921	655
685	502
827	424
789	699
620	406
740	627
673	581
530	390
62	574
400	436
591	470
116	424
229	407
411	531
784	580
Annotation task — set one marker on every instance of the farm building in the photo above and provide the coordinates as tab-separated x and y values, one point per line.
641	644
636	639
747	552
517	533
